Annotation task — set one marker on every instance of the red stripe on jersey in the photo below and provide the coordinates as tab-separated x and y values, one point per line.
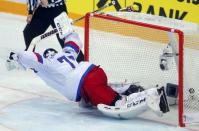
39	57
73	45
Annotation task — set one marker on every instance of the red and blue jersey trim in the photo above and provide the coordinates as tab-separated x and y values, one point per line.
78	97
39	57
73	45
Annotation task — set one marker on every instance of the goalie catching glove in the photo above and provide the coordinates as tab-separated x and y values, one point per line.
13	56
11	62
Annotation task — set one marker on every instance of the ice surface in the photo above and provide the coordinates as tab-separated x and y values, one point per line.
28	104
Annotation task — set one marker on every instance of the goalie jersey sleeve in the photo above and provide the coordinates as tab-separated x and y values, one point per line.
61	72
72	44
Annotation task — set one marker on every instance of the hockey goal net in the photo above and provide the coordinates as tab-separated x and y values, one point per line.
129	46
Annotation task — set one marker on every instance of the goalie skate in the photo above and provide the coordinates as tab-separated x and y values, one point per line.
157	102
133	88
164	106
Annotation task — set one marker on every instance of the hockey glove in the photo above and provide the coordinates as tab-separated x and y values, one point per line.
11	56
11	62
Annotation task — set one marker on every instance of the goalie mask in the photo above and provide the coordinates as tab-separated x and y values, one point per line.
49	53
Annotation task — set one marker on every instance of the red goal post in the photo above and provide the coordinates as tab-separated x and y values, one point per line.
107	37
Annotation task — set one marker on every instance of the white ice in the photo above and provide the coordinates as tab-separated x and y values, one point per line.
28	104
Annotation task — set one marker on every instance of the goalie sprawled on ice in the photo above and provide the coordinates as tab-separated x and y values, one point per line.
87	82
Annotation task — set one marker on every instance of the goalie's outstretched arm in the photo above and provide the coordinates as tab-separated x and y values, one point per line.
28	60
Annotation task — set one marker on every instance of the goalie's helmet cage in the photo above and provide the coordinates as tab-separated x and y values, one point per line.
49	52
128	47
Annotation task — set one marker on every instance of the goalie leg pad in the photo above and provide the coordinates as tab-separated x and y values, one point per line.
122	113
137	103
128	107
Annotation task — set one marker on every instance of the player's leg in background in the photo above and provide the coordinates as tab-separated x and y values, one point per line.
37	26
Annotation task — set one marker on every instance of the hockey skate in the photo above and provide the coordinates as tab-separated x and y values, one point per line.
133	88
164	106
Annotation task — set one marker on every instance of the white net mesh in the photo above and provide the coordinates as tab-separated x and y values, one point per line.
131	53
186	27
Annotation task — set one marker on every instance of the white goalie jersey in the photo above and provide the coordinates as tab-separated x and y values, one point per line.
61	72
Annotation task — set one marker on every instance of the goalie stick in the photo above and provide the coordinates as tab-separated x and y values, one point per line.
100	9
56	31
101	3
